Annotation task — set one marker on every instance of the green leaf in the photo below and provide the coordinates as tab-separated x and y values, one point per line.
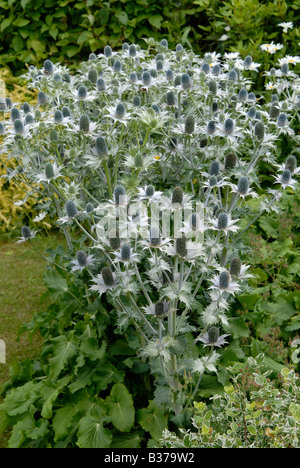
51	392
155	21
122	17
21	22
126	440
83	37
20	399
92	433
28	428
273	365
71	51
18	43
121	409
280	311
153	420
55	283
90	347
252	429
5	23
63	351
294	409
238	327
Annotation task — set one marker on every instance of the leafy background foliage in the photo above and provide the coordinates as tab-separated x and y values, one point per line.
32	30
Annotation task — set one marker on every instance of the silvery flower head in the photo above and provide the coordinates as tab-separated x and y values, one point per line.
119	195
223	222
224	283
92	75
82	261
214	169
189	124
26	234
211	127
243	94
146	78
186	81
133	77
213	338
48	67
170	75
18	127
259	130
170	99
285	179
177	196
126	255
232	76
107	51
205	67
58	116
132	50
15	114
228	126
84	123
42	98
159	65
291	164
216	70
117	67
282	120
101	86
105	281
71	209
247	62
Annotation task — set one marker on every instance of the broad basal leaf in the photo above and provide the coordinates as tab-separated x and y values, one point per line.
153	420
121	409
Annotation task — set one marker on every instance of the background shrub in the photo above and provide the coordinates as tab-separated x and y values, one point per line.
32	30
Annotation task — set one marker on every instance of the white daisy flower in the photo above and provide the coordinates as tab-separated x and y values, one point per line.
271	48
286	26
42	215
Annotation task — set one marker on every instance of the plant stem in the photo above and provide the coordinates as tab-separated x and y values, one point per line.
108	179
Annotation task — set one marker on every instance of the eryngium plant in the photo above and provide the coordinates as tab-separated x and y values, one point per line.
153	194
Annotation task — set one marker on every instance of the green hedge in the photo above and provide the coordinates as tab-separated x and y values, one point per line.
31	30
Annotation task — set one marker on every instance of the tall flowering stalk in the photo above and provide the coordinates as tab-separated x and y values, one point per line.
149	160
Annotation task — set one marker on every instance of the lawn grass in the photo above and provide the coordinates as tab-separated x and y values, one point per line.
21	275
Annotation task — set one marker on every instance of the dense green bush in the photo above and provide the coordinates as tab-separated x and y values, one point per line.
32	30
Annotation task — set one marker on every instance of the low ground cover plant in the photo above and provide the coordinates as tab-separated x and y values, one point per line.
148	161
257	416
